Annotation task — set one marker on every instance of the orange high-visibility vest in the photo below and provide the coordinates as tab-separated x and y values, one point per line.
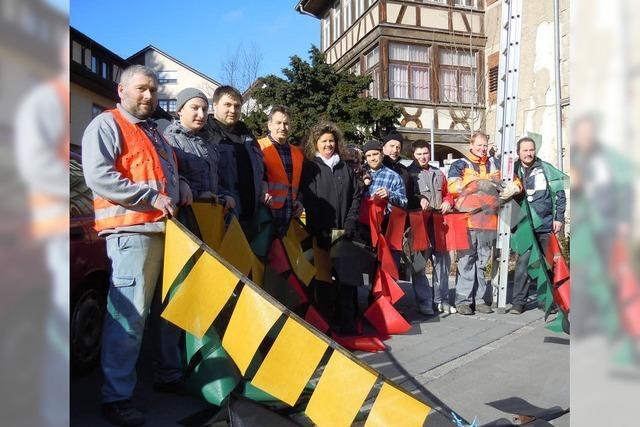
140	163
278	182
50	214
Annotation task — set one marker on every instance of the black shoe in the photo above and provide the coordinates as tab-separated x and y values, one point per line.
483	308
464	309
516	309
122	413
174	387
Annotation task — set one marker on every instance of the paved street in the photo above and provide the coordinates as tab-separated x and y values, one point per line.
484	366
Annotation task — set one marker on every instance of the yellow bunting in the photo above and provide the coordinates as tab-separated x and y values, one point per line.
341	391
210	219
288	366
178	248
296	231
252	318
394	407
235	248
303	268
322	262
257	271
203	294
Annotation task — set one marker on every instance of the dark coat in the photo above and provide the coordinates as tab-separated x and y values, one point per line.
228	174
331	199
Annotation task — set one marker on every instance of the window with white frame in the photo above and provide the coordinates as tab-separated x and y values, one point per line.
346	5
336	21
466	3
409	71
326	31
76	52
167	77
359	8
371	61
355	68
168	105
115	75
458	75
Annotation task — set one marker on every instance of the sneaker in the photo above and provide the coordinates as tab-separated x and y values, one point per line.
452	309
122	413
440	308
174	387
483	308
425	309
516	309
464	309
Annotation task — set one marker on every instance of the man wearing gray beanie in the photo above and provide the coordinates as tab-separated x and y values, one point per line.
197	156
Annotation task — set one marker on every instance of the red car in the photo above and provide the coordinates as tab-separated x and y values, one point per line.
90	270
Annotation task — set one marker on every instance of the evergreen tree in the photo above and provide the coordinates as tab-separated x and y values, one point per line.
315	91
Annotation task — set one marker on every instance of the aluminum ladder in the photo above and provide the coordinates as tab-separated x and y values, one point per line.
506	112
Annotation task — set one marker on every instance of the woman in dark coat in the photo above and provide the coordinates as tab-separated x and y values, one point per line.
331	199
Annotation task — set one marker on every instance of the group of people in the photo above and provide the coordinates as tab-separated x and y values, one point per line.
140	177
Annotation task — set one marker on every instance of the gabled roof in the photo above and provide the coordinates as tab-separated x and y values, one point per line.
163	53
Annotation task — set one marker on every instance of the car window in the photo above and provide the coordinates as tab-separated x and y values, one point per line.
80	197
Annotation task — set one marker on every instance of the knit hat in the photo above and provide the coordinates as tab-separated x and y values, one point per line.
393	136
372	144
187	94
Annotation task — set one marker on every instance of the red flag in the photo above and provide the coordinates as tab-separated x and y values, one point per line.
385	318
372	214
314	318
387	263
395	228
293	281
450	232
562	285
628	289
419	221
385	285
278	259
552	250
370	344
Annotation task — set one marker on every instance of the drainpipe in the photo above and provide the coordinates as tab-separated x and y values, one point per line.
556	54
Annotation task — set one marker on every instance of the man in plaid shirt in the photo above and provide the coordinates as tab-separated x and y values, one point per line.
385	183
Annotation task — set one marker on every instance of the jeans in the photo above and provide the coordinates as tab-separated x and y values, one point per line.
137	265
425	294
471	284
521	281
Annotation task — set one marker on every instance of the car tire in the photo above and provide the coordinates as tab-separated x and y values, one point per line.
86	321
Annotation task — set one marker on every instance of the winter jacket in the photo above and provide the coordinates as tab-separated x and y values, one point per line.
197	158
539	196
429	183
401	170
331	198
240	172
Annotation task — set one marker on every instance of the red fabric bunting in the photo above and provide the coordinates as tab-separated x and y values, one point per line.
386	286
293	281
561	290
395	228
420	238
314	318
372	214
370	344
278	259
450	232
385	318
628	288
387	262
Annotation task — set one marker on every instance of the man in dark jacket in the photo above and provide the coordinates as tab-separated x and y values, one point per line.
539	197
241	166
392	149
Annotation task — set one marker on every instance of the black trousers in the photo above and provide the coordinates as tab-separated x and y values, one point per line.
522	281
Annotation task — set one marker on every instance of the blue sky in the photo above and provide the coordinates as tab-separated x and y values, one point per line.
200	33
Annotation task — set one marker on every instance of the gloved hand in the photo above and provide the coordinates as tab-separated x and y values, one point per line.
509	190
486	185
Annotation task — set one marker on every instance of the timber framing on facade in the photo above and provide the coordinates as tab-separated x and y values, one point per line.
427	56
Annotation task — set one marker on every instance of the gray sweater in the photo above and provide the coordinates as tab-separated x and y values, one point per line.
101	146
